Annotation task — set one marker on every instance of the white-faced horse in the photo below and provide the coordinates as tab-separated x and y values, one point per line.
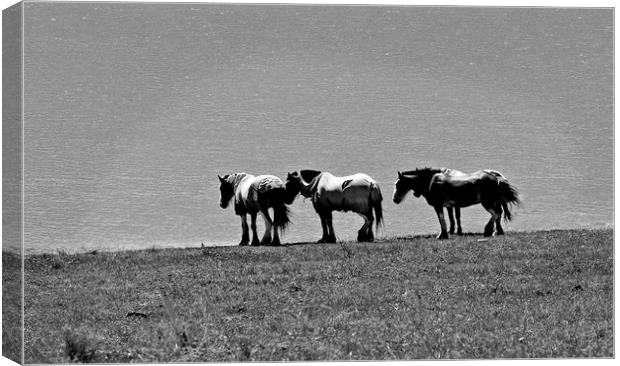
253	195
451	188
358	193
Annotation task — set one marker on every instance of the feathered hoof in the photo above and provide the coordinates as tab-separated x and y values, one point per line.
365	238
443	236
255	243
276	243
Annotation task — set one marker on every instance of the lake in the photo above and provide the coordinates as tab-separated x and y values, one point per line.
132	110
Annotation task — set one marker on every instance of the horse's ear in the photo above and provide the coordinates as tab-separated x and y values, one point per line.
400	175
222	180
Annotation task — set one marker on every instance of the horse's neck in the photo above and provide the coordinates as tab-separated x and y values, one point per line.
305	189
237	178
308	188
424	183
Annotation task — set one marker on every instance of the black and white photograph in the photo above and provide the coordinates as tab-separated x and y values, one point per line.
200	182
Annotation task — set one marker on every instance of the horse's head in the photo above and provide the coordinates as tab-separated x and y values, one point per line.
296	183
227	191
292	187
403	185
416	180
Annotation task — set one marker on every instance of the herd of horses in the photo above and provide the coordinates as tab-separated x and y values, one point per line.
359	193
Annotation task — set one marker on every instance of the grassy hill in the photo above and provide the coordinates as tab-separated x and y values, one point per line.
524	295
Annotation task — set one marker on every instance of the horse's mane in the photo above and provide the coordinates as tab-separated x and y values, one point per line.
424	172
235	178
309	174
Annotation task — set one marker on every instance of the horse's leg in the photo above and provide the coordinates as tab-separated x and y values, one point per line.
255	240
268	226
370	236
324	229
245	235
457	213
276	235
488	229
365	232
331	235
498	222
451	217
442	223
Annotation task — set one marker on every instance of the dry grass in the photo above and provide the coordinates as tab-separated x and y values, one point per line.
526	295
11	306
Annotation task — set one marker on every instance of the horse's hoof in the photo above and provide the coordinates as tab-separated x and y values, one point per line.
443	236
488	234
275	243
331	240
459	232
499	233
243	243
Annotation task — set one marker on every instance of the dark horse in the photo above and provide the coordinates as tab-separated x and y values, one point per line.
358	193
453	189
252	195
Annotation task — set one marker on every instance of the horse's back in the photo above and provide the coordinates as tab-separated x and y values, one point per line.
344	193
264	183
330	183
254	191
455	188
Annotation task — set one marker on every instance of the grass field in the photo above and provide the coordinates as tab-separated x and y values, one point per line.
524	295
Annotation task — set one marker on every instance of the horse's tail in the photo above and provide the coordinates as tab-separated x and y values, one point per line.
375	203
509	197
281	212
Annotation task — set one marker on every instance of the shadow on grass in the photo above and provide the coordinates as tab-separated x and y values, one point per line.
387	240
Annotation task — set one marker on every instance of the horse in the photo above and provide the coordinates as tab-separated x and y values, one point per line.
358	193
254	194
443	187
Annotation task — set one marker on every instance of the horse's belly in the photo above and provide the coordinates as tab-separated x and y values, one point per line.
461	196
353	199
462	202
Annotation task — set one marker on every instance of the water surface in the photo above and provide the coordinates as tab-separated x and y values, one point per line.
131	111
